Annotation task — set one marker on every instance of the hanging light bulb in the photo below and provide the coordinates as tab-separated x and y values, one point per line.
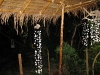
37	26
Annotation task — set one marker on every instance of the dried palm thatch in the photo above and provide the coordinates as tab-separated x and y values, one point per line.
40	9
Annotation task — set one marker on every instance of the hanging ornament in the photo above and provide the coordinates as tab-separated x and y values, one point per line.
37	26
91	28
85	33
38	54
12	43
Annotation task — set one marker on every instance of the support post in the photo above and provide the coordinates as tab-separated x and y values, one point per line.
20	64
87	66
48	62
61	40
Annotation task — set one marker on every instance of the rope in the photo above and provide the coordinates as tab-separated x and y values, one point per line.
10	38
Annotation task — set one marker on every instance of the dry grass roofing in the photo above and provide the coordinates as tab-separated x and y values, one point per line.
41	9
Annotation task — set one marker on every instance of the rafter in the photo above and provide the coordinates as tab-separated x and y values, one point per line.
1	2
81	4
44	8
25	6
52	1
57	9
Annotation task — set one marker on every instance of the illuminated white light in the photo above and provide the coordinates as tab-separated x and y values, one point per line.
37	26
93	34
36	71
37	43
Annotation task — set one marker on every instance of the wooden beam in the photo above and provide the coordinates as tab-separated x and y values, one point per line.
62	1
86	11
81	4
61	39
57	10
87	65
1	2
48	62
25	6
44	8
20	64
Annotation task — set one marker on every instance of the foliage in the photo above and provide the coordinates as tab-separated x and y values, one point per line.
93	50
71	60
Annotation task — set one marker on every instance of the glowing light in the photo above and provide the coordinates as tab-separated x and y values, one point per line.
37	43
91	30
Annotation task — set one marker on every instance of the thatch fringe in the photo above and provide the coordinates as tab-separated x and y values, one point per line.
5	17
19	19
80	7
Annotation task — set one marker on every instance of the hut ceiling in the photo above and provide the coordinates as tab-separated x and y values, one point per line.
43	7
37	9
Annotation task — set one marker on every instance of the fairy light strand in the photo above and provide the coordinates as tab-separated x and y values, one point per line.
38	51
91	29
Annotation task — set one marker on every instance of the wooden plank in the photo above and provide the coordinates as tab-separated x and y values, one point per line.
53	1
20	64
80	4
61	39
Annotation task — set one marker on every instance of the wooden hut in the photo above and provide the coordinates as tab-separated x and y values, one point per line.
43	9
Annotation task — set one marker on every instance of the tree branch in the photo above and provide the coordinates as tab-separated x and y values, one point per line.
74	33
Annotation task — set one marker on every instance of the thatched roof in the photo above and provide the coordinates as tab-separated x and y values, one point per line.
47	7
22	9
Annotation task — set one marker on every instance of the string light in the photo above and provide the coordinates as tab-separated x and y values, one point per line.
91	31
37	43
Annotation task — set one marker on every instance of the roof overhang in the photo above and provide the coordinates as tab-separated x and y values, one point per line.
41	9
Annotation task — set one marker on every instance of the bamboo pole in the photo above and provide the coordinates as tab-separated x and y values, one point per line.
61	39
20	64
79	5
29	1
48	62
94	62
1	2
22	11
87	66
